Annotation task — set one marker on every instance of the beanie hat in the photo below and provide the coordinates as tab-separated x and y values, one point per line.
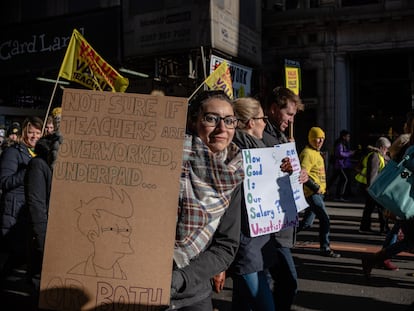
57	111
316	132
14	129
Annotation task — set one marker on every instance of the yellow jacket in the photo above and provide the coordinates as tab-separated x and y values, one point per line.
312	160
362	176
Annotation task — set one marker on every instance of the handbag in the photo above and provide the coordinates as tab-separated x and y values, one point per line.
392	188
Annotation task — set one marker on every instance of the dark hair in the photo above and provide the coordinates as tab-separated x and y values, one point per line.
344	133
281	95
36	122
196	104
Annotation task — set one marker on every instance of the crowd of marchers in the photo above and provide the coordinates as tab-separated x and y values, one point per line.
213	240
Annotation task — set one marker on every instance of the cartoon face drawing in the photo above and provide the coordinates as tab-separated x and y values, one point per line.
104	222
112	238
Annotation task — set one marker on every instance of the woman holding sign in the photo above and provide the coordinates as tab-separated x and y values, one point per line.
208	220
251	289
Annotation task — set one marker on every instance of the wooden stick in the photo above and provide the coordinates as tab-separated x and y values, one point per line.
50	105
290	131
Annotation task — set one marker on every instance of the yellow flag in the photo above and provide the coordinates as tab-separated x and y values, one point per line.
220	79
292	79
83	65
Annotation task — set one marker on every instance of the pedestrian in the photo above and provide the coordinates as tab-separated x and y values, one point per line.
13	212
57	116
49	126
283	105
399	145
2	138
208	220
396	153
249	271
343	166
372	164
312	160
37	186
376	260
14	133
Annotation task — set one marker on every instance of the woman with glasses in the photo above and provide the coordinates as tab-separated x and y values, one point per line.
251	289
208	220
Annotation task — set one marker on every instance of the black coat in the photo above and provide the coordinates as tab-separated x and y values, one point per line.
38	181
13	164
37	186
215	259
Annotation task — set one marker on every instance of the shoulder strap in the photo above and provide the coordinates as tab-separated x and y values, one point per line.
409	153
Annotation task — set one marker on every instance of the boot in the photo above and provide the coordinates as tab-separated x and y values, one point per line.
370	261
367	264
388	265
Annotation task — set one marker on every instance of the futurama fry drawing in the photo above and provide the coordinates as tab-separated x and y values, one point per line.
104	222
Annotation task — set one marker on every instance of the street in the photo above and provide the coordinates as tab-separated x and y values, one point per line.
338	284
324	283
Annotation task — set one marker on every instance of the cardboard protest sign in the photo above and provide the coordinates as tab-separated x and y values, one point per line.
113	207
273	198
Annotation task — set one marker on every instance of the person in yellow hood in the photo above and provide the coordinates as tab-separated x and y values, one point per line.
313	162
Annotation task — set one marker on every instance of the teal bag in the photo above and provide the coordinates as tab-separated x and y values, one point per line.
392	188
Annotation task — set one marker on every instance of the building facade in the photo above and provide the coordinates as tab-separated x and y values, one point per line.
163	45
356	56
356	60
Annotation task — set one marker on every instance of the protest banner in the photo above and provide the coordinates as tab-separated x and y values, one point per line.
273	198
293	76
241	76
220	79
113	206
82	64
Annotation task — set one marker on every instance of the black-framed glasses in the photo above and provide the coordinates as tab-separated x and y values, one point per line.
212	120
264	118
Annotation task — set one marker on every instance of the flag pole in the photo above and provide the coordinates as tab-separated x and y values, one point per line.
191	96
50	105
203	60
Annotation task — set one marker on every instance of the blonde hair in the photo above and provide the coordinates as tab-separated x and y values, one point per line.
246	108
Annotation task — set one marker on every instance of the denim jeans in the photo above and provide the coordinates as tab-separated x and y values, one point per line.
317	209
392	235
407	244
251	292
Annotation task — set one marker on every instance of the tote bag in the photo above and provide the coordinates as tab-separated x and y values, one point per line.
392	188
